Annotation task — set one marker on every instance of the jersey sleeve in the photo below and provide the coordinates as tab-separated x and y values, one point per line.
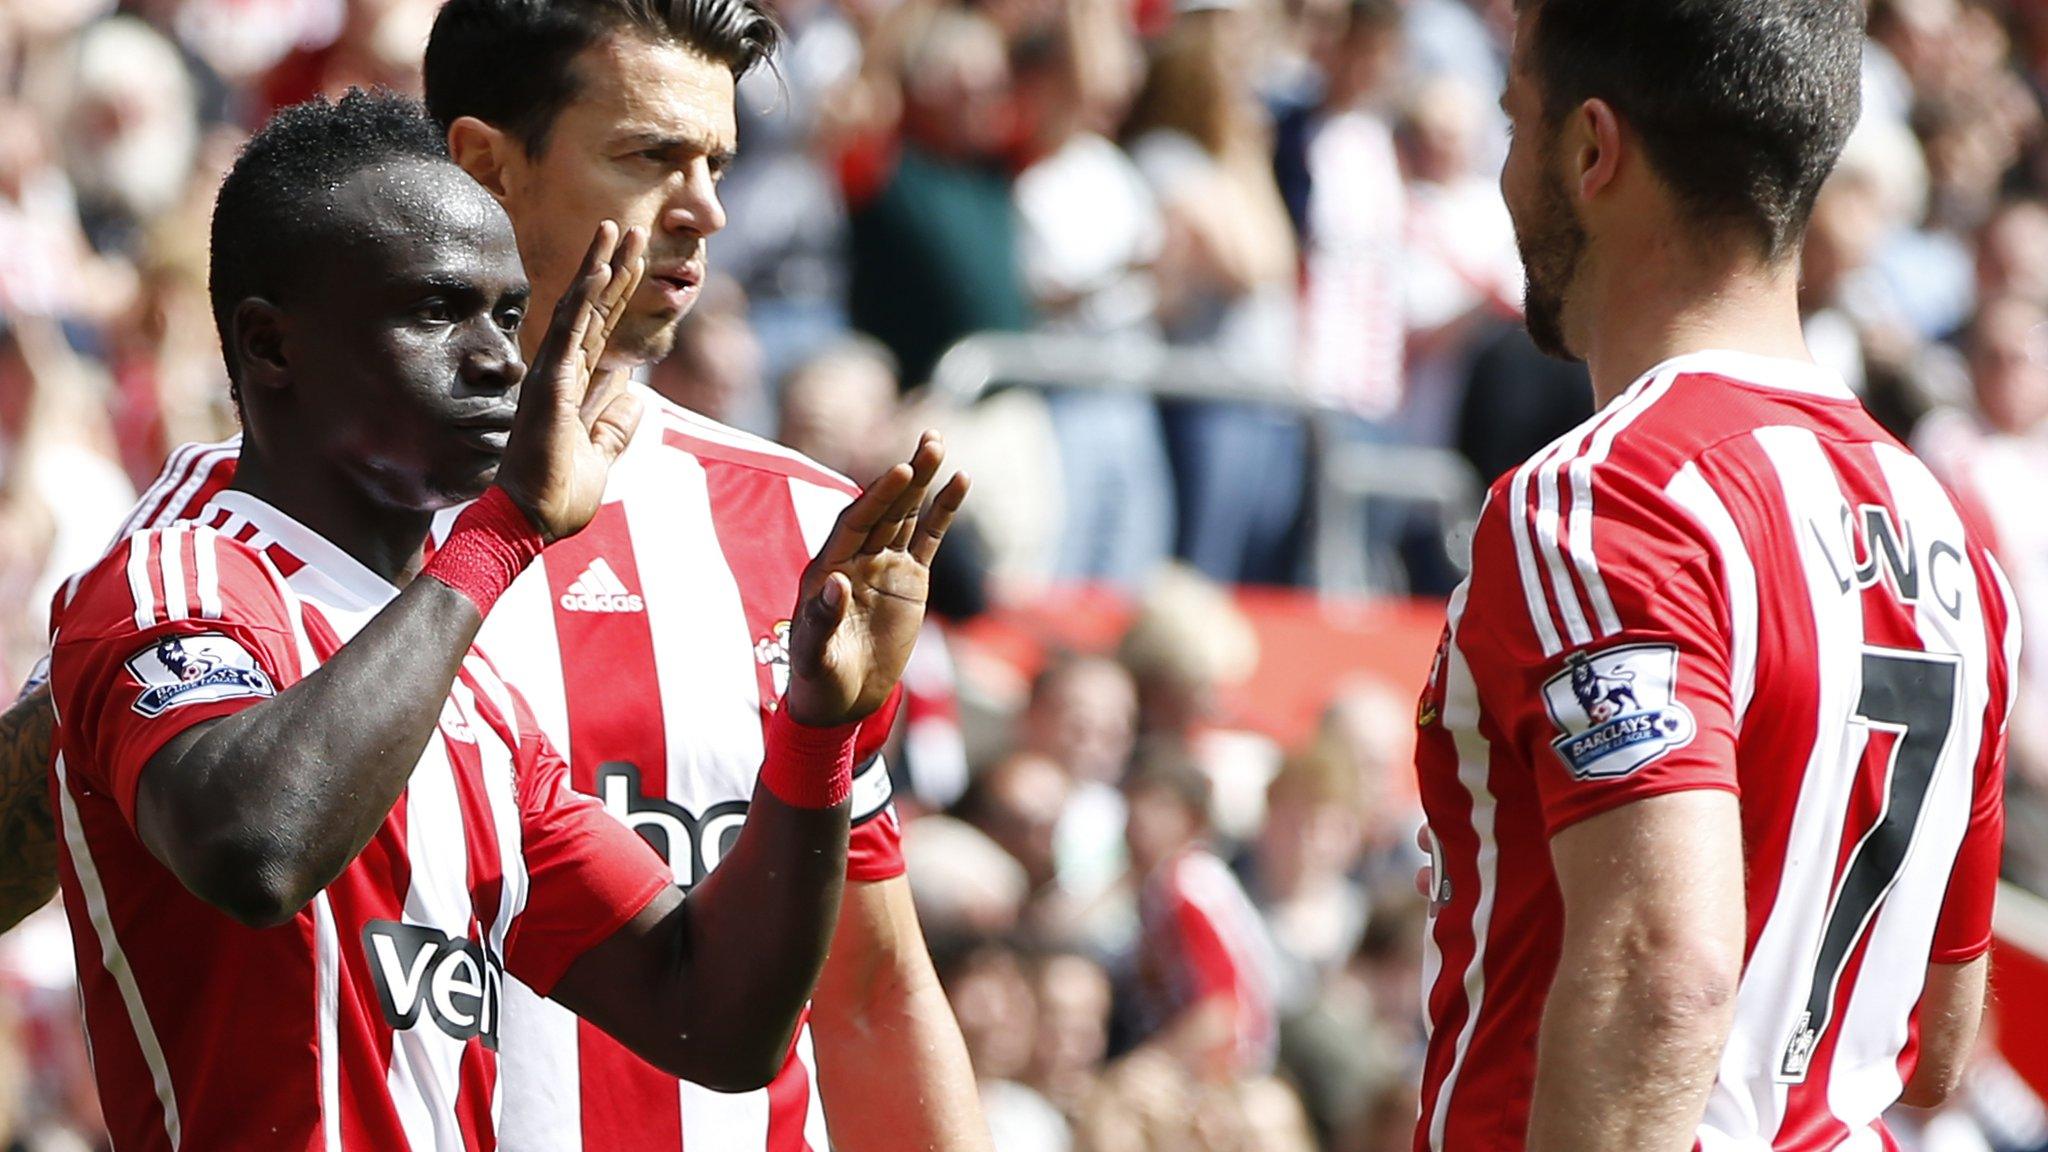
177	626
1595	632
874	846
1963	931
587	874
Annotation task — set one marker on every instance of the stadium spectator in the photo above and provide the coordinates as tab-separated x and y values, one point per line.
1207	981
934	232
838	406
1090	234
1226	274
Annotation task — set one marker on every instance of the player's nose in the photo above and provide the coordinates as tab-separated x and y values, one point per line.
492	364
695	209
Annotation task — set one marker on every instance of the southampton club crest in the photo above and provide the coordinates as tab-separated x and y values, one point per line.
181	670
1618	710
771	650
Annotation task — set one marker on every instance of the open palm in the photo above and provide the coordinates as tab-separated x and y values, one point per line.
862	598
573	419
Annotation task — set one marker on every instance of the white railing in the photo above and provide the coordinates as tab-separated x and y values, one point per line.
1345	476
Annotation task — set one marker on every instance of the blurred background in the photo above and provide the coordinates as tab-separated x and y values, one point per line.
1219	302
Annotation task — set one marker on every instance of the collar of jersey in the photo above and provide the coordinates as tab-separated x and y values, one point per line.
355	585
1802	376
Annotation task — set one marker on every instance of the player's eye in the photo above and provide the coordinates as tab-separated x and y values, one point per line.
434	312
509	318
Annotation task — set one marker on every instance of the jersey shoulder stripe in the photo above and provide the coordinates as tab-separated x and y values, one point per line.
192	469
1551	507
706	439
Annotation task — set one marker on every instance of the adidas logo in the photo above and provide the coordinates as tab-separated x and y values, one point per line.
599	589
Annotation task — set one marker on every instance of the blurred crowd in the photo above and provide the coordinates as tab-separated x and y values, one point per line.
1160	931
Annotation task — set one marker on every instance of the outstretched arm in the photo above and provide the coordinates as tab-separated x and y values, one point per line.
1645	987
891	1063
28	837
711	987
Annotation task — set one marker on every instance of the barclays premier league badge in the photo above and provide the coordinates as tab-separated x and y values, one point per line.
1618	710
181	670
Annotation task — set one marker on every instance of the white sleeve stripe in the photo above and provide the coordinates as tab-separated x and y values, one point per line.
1550	528
1548	518
1525	561
138	580
170	558
1583	555
206	571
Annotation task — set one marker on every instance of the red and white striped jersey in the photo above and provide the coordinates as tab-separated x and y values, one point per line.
1203	940
373	1018
649	646
1730	578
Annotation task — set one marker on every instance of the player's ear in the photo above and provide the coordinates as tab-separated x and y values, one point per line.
259	344
1594	145
484	151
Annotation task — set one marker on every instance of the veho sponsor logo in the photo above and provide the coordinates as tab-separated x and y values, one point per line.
456	983
692	844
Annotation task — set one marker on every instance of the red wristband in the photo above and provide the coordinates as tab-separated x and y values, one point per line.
491	544
808	767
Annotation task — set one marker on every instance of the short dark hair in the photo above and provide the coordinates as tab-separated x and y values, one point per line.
1375	16
1166	767
269	208
1742	105
510	63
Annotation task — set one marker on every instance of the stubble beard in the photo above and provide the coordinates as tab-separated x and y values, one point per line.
645	339
1551	249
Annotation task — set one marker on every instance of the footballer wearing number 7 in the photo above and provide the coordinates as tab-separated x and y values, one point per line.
1713	752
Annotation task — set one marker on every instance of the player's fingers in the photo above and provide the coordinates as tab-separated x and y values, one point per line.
859	519
931	527
820	618
605	385
613	428
571	318
904	529
924	464
628	264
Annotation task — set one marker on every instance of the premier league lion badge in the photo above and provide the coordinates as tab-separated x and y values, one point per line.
1618	710
181	670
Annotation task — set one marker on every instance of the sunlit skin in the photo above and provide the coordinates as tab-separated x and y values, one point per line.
645	142
397	365
1547	230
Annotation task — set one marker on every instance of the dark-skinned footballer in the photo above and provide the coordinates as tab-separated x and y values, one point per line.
307	830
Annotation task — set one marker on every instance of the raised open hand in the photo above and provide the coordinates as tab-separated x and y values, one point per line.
862	597
574	419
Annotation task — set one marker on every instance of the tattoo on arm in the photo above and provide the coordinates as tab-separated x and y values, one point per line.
28	834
